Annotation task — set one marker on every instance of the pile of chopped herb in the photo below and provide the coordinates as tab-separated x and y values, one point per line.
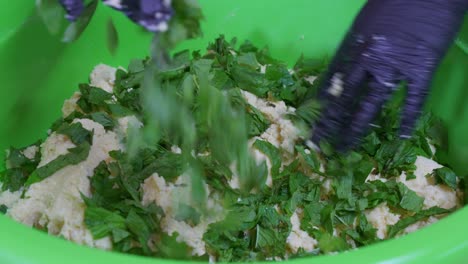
199	129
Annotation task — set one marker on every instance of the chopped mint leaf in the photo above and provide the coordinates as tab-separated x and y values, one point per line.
77	134
102	222
52	14
221	80
409	199
98	96
75	156
363	169
217	174
170	248
248	60
136	66
13	179
20	167
169	165
272	153
104	119
343	186
188	214
3	209
306	67
72	116
16	158
446	176
119	110
327	216
311	159
394	157
424	144
371	143
257	122
405	222
328	243
365	233
249	80
119	235
140	228
381	192
438	133
185	24
309	111
122	202
410	176
269	240
100	182
92	98
311	216
112	37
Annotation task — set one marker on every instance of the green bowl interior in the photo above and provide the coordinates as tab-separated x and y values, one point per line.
38	73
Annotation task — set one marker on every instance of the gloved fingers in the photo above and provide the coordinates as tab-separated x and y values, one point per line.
350	48
367	111
153	15
342	93
417	91
73	8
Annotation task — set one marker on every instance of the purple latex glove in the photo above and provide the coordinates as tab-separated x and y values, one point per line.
153	15
390	41
73	8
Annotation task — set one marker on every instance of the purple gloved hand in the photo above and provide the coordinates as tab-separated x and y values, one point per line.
74	8
390	41
153	15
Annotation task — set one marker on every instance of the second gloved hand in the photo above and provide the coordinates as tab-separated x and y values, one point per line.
153	15
390	41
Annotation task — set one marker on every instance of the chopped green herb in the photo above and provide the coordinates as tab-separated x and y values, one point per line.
3	209
446	176
102	222
112	37
409	199
13	179
405	222
104	119
171	248
188	214
19	168
329	243
75	156
77	134
311	158
272	153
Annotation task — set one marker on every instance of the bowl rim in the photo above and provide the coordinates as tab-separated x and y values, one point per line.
439	241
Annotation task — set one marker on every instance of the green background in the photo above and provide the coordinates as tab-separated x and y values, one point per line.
37	72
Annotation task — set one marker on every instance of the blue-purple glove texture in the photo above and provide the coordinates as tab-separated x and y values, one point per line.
73	8
390	41
153	15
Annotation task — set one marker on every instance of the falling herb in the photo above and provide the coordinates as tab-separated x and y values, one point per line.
112	37
76	28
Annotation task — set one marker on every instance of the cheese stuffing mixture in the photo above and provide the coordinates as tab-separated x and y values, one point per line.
79	184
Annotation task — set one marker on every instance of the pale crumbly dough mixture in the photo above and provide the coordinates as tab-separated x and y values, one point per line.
55	202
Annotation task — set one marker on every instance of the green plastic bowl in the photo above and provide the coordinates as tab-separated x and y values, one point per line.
37	73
